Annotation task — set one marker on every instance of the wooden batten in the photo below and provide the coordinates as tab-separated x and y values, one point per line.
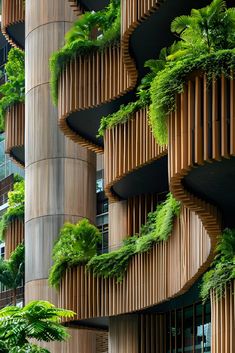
133	13
13	12
223	321
127	147
15	130
76	7
89	81
14	236
169	269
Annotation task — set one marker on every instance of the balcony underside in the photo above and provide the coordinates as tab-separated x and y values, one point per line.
16	32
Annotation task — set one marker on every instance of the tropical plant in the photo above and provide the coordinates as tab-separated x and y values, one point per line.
12	271
79	41
15	208
39	320
77	244
206	43
223	267
13	90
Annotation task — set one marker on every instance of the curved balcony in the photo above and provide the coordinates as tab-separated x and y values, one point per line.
75	6
14	236
223	321
15	133
13	17
91	82
132	159
202	144
169	269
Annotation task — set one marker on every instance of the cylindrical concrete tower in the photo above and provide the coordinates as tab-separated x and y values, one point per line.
60	175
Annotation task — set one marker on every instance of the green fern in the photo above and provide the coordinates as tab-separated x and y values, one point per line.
223	266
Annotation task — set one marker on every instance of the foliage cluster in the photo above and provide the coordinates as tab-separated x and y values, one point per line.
12	270
77	244
38	320
13	90
205	43
79	41
157	228
223	266
15	207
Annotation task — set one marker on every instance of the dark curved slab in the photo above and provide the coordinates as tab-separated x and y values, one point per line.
215	182
86	122
151	178
95	5
18	153
17	33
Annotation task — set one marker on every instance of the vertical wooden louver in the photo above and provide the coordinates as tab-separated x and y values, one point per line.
15	129
152	333
127	147
89	81
75	6
14	236
165	271
123	334
13	12
133	13
223	321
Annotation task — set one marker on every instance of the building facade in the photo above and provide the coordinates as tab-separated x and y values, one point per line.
157	306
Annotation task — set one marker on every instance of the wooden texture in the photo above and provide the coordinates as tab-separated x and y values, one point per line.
123	334
89	81
152	333
169	269
195	137
75	6
127	147
133	12
13	12
118	224
15	130
223	321
13	237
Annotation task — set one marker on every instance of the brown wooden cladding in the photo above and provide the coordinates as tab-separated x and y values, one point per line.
129	146
223	321
123	334
202	128
13	12
152	333
133	13
89	81
15	129
165	271
14	236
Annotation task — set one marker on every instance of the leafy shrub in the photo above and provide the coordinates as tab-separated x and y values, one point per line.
38	320
15	207
223	266
206	44
79	41
158	227
77	244
12	91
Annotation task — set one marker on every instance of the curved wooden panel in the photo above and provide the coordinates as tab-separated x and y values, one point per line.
129	146
87	82
223	321
14	236
13	12
133	13
124	334
169	269
197	136
15	130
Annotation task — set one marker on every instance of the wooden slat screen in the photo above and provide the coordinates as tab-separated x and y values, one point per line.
168	269
15	128
14	236
127	147
75	6
13	12
223	321
89	81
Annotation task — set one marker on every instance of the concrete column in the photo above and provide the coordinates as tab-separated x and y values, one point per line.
60	175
